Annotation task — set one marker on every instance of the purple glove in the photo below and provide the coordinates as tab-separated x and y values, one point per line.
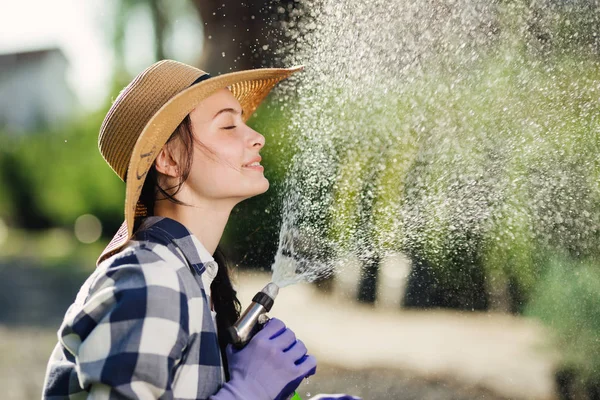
270	366
334	397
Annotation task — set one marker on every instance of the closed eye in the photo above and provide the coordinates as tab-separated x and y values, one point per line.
229	127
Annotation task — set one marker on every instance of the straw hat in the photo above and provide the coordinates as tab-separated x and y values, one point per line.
148	111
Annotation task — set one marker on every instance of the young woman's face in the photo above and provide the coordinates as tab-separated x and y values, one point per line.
226	162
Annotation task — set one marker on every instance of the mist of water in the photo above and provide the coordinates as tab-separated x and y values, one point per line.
437	127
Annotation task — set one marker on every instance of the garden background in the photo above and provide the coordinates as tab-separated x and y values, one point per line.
496	211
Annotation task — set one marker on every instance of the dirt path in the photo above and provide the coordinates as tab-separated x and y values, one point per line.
377	354
25	351
24	354
497	353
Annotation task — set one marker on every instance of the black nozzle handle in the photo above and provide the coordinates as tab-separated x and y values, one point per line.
264	300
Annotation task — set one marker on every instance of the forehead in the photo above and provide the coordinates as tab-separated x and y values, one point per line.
210	106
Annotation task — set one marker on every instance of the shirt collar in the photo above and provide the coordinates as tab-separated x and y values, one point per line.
168	230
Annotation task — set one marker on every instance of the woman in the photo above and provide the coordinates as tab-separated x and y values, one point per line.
149	323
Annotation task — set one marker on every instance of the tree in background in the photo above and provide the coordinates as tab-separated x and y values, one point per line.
236	35
243	35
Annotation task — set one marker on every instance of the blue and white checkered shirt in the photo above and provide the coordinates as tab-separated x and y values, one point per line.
141	326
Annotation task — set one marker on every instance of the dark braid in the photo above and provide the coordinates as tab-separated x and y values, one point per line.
225	302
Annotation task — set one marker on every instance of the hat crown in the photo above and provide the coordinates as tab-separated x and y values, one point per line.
136	104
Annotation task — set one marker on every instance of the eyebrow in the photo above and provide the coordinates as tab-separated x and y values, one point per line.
229	110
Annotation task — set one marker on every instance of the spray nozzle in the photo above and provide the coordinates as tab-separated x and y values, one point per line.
249	322
271	290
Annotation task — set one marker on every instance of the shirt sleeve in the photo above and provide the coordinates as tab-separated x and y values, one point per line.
131	331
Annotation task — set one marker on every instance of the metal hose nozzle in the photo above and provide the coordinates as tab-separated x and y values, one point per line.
249	322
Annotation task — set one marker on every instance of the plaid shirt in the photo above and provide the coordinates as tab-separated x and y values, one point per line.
141	324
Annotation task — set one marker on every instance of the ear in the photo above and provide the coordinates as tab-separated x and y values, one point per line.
165	163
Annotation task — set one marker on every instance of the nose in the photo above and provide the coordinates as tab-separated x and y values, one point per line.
257	141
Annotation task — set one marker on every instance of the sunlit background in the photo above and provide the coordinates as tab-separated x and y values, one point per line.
435	167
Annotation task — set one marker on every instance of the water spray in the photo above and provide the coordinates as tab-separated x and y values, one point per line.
289	268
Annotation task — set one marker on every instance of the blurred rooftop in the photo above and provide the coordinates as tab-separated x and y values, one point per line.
34	92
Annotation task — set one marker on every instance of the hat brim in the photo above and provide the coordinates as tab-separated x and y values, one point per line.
249	87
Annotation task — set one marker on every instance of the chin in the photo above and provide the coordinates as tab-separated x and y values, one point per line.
256	189
263	187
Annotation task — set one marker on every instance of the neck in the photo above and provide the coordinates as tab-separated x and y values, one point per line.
206	220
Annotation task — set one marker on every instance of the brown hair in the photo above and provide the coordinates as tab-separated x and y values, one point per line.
224	296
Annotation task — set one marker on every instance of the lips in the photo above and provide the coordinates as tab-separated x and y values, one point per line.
255	162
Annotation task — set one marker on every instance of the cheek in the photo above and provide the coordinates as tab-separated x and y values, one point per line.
224	151
213	173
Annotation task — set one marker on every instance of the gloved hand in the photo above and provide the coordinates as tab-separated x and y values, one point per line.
270	366
334	397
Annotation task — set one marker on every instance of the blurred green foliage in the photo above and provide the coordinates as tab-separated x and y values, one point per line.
56	176
567	299
494	167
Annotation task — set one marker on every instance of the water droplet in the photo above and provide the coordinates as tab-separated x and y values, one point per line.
223	54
